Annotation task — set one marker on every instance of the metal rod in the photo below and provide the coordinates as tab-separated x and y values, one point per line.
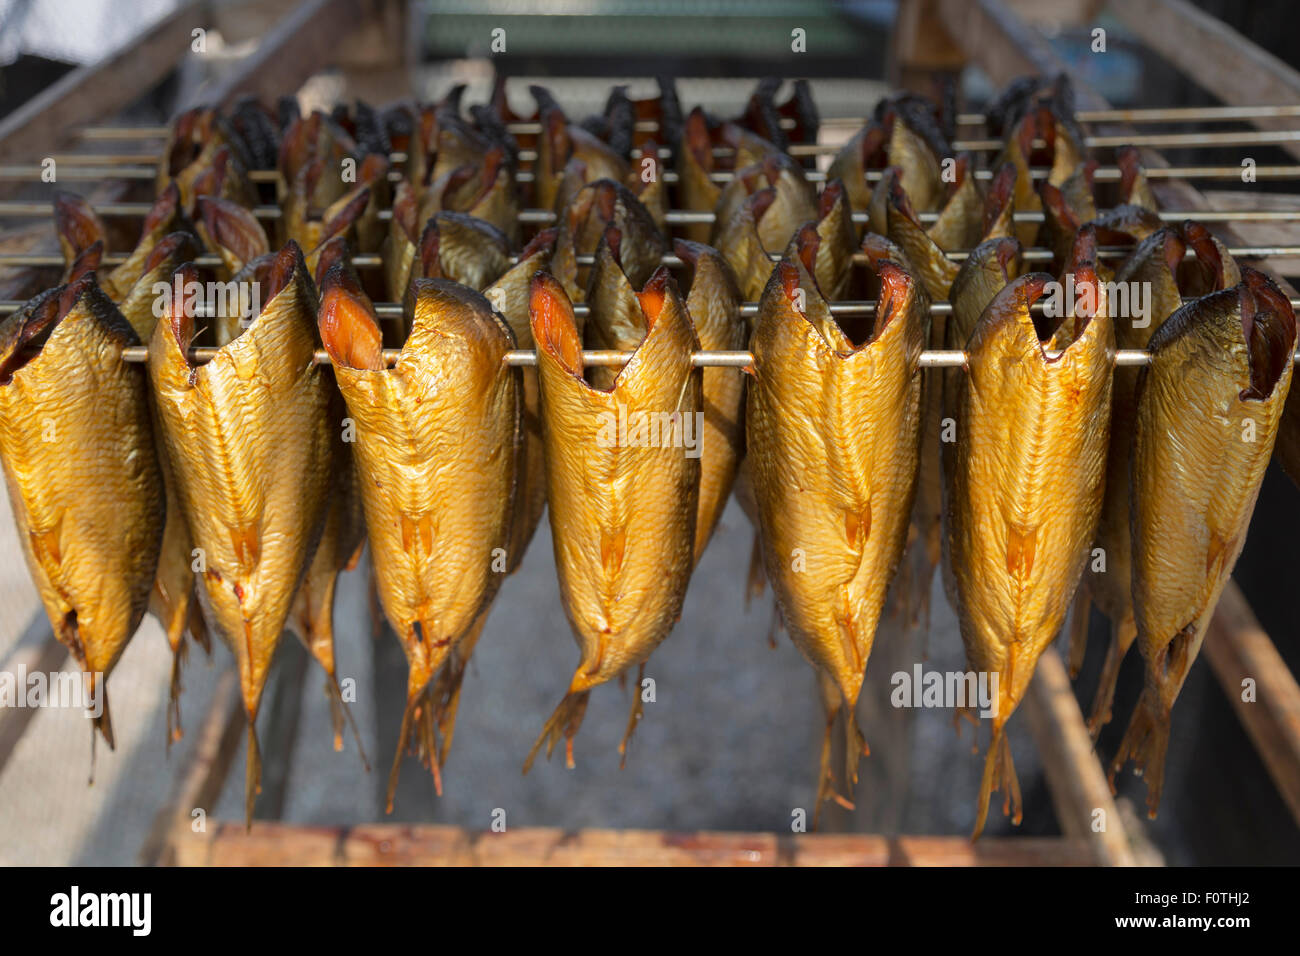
371	261
524	358
22	208
1163	114
33	173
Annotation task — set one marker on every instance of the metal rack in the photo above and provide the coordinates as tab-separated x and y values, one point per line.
985	32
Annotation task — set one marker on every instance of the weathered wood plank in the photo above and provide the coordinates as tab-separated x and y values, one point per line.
90	93
1216	57
1239	650
277	844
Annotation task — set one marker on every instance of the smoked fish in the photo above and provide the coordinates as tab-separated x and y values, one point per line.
1158	264
622	506
436	450
1208	408
250	437
1025	489
84	482
833	431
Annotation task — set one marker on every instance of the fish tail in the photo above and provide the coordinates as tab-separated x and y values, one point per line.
833	700
446	697
174	731
104	722
1079	630
252	772
999	774
198	627
341	713
633	717
1145	742
563	722
757	579
1122	635
416	734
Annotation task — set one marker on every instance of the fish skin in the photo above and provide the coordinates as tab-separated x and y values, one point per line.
793	202
172	600
1024	495
582	223
741	246
836	242
622	515
437	444
934	269
851	163
250	438
713	302
83	476
1195	483
203	156
509	295
833	435
1156	263
694	164
614	317
231	231
451	245
483	189
961	218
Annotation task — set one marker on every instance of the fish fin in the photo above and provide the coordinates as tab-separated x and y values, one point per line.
564	721
999	774
826	790
198	627
774	626
1121	639
252	773
633	717
416	733
341	713
174	731
757	580
1145	742
104	722
1079	630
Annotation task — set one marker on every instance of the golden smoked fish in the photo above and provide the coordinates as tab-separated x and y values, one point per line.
1158	267
1025	489
437	445
622	491
581	225
713	303
250	436
1208	409
82	472
833	431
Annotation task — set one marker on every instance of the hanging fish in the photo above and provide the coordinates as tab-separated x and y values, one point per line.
582	223
1156	265
833	428
250	436
84	483
1025	488
622	509
1208	408
437	443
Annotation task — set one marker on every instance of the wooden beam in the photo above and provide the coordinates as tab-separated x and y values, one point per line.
279	844
1239	650
309	39
198	783
1080	793
1213	55
88	94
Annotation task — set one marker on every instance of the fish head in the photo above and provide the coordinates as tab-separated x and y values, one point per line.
231	230
77	224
